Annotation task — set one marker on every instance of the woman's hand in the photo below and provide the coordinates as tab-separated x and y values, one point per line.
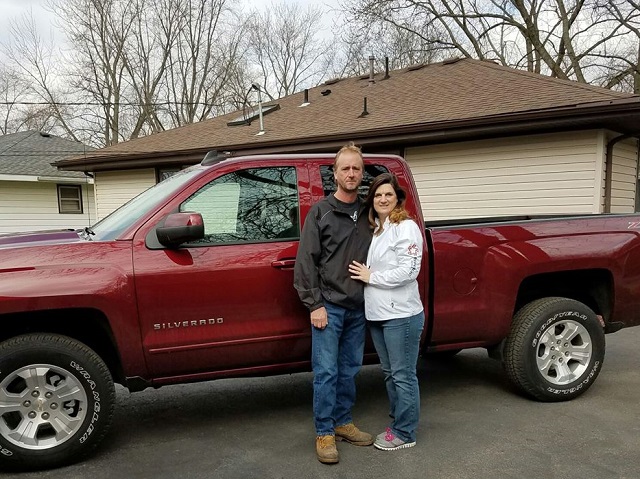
359	271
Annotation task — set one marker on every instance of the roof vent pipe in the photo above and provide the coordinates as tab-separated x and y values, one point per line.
364	109
305	102
257	88
372	59
386	68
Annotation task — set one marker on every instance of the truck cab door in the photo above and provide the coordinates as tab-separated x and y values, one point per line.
226	304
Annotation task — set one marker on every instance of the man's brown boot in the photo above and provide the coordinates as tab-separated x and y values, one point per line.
326	449
350	433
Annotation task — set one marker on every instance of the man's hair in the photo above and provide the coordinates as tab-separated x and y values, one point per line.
399	213
351	146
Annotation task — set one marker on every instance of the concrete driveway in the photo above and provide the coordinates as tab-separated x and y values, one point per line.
473	426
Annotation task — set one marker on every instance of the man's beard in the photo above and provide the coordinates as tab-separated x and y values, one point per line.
345	187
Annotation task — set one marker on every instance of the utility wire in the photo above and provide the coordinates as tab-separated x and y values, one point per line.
46	152
79	153
88	103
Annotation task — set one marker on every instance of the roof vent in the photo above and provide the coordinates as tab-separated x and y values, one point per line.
372	60
332	81
305	102
326	92
44	134
365	112
451	61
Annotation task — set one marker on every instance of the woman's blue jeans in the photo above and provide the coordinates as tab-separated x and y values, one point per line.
336	357
397	342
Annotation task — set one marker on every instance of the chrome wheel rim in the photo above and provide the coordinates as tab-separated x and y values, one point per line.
564	352
41	406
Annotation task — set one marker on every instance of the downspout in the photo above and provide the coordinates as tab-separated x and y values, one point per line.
88	175
609	170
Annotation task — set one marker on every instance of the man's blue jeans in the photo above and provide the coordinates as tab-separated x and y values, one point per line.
397	342
336	357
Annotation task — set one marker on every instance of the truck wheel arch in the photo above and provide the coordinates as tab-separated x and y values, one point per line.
86	325
593	287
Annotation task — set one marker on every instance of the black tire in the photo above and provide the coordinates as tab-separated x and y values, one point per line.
49	380
555	349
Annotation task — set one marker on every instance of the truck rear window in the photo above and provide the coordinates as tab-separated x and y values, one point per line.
370	172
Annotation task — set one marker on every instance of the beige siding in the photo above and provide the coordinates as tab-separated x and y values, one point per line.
541	174
624	176
115	188
31	206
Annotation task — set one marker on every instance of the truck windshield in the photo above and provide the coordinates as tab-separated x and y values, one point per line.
112	226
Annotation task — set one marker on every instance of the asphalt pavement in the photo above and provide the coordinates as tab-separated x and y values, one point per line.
473	426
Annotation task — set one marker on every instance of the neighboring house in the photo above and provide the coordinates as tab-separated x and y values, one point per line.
481	139
35	195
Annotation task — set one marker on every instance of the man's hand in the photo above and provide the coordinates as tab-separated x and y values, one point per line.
319	318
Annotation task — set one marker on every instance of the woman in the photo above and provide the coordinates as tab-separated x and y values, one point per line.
392	305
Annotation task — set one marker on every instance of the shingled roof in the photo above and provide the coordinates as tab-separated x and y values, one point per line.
31	153
447	101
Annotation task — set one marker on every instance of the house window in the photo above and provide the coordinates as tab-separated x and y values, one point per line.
70	199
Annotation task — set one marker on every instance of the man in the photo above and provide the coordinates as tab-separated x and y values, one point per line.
335	232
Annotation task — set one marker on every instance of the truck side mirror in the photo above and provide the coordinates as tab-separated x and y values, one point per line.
179	228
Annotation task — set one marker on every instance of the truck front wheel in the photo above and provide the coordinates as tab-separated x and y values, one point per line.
56	401
555	349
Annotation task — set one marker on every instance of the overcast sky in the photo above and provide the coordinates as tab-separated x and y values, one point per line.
13	9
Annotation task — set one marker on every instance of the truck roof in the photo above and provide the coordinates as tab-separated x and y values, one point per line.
214	157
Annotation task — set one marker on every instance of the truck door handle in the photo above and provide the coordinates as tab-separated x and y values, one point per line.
283	263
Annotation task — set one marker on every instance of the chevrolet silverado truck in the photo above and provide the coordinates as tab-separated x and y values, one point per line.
192	281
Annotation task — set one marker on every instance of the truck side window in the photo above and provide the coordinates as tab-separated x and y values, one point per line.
370	172
247	206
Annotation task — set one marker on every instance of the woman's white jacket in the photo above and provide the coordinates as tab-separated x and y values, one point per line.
394	259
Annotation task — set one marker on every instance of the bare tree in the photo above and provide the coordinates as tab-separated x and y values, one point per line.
142	66
36	71
14	92
134	67
179	59
382	40
623	68
146	58
286	46
205	61
97	31
562	38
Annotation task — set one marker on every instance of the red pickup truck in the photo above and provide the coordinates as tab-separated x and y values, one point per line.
192	280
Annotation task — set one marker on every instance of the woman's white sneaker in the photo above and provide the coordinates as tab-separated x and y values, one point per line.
388	441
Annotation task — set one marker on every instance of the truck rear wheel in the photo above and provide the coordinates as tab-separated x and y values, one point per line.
56	401
555	349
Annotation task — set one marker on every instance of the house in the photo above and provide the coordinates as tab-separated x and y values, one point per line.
480	138
34	195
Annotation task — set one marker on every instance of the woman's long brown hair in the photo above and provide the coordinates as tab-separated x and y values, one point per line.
399	213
